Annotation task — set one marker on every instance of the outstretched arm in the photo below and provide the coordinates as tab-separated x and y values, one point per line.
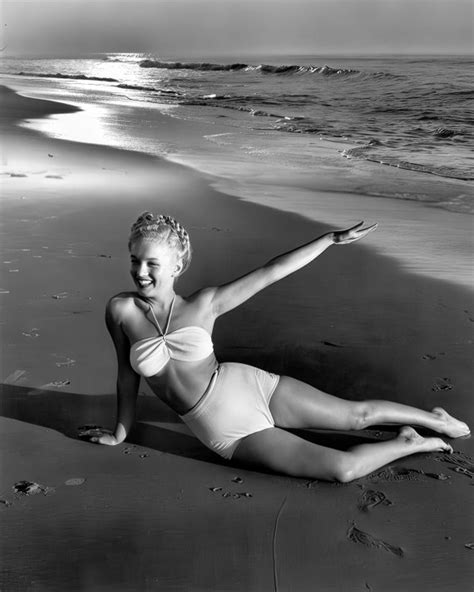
127	381
230	295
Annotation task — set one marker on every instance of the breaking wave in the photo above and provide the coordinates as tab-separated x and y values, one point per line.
66	76
161	91
281	69
366	153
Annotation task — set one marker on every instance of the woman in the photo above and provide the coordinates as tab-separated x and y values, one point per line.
237	410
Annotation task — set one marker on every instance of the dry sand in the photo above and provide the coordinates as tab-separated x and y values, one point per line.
143	515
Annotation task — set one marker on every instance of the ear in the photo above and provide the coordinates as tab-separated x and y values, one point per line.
178	268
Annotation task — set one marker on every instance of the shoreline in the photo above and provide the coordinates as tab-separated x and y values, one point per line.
355	324
422	233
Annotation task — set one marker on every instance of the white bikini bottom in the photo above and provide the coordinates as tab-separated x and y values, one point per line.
235	405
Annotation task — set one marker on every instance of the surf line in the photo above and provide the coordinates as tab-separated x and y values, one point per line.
275	528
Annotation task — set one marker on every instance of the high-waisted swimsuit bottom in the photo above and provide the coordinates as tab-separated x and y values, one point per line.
235	405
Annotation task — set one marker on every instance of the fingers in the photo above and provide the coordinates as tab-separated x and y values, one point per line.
352	228
360	232
357	228
371	228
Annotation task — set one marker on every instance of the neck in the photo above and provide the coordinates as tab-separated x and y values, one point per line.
163	300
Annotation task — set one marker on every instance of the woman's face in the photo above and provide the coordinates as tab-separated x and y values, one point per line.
154	266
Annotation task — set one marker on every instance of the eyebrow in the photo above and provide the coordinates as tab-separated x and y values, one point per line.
151	258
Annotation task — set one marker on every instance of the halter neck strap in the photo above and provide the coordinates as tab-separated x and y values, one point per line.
163	333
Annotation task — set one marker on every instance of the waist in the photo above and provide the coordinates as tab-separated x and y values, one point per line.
181	388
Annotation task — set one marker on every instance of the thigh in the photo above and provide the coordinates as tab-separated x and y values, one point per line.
295	404
286	453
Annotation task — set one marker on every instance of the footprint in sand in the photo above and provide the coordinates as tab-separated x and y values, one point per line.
19	175
460	460
75	481
53	177
359	536
68	362
371	499
442	384
31	333
236	495
469	546
438	476
57	383
16	377
31	488
237	480
396	474
228	494
60	296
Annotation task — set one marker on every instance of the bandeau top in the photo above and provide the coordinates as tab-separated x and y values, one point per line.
188	344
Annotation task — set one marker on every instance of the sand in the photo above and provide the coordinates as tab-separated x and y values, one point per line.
160	511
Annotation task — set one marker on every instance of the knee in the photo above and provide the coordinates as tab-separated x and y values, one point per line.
361	415
344	470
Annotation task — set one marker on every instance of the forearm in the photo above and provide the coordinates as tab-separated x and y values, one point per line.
126	410
125	419
285	264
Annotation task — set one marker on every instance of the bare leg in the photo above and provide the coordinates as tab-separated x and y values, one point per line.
286	453
295	404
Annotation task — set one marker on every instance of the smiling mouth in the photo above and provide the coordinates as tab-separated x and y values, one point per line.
143	283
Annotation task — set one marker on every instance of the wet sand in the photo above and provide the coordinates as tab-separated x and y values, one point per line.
147	514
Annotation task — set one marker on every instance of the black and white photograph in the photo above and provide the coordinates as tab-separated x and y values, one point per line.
236	294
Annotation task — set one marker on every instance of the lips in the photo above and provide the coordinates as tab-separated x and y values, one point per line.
143	283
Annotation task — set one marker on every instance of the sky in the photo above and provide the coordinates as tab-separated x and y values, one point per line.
190	28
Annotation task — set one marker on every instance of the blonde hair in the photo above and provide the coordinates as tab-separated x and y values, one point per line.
164	229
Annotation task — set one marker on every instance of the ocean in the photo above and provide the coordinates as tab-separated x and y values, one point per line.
385	128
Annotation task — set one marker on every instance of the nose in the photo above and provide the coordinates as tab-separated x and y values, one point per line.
141	270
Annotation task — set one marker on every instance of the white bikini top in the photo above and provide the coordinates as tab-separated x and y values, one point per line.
189	344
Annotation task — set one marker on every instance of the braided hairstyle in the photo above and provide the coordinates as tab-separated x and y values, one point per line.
164	229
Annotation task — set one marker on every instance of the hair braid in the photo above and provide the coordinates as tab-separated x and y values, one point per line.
165	229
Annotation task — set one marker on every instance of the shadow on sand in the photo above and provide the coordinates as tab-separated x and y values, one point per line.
65	412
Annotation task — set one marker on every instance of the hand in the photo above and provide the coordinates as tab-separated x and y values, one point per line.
343	237
97	435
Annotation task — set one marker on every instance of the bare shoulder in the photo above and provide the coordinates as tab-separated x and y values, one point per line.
120	306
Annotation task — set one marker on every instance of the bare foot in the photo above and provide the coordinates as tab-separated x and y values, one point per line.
413	438
449	425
